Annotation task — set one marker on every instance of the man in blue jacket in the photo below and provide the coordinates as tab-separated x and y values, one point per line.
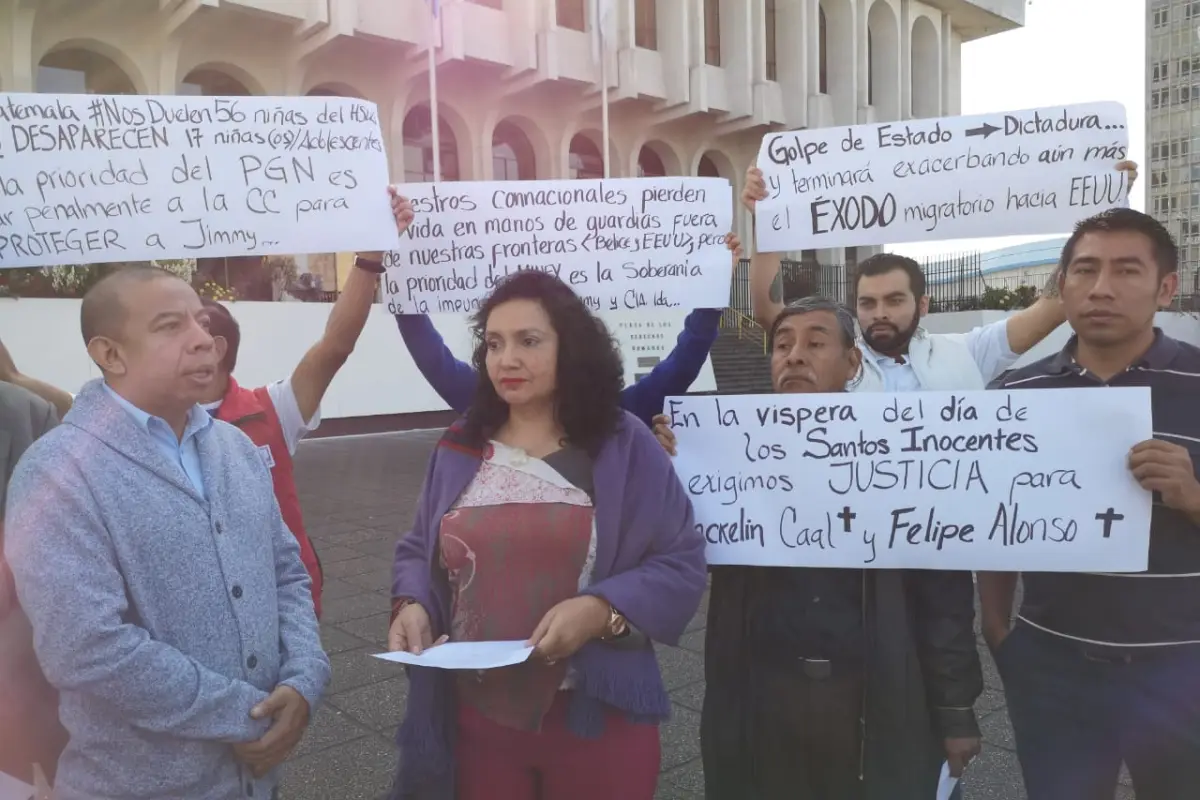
455	381
168	602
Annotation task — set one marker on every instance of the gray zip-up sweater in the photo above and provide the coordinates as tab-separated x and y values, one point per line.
161	618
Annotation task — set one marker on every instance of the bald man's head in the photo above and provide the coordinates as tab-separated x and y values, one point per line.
147	331
103	311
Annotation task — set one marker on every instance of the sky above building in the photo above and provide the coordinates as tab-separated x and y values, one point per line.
1070	51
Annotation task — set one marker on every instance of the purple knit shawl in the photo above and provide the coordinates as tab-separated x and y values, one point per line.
649	564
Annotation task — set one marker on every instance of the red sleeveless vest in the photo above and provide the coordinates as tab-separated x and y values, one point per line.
252	411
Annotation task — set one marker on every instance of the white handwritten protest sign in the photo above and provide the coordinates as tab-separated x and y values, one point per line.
625	244
1023	172
92	178
1027	480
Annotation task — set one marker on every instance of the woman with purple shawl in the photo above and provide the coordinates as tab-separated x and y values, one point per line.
551	515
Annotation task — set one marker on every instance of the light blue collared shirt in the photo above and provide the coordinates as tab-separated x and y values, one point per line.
182	451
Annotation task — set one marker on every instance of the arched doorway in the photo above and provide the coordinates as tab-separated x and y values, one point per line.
512	154
585	160
650	164
209	82
75	70
883	57
926	69
418	147
334	90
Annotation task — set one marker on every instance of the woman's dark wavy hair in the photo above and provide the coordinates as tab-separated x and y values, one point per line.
590	372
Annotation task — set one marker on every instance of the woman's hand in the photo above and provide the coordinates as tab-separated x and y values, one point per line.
664	434
410	631
569	626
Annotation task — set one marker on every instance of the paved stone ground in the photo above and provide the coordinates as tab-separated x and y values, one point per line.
359	494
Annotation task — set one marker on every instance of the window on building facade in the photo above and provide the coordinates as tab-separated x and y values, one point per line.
712	32
1158	177
1159	97
769	35
1166	204
1158	70
571	14
1176	148
1191	10
822	52
1161	17
645	24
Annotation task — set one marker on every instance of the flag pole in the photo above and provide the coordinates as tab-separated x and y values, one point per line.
603	87
433	94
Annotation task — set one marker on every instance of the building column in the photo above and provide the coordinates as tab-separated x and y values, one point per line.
17	72
674	36
793	59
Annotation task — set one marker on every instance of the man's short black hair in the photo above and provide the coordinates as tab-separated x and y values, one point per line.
102	312
806	305
221	323
1120	220
883	263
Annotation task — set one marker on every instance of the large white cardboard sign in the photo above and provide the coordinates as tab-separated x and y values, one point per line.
94	178
1022	481
628	244
1021	172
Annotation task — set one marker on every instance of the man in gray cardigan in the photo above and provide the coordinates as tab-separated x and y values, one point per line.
30	732
168	601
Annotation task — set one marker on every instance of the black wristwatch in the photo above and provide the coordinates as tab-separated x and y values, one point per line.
375	267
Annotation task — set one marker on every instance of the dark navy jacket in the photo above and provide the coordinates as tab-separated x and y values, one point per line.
455	381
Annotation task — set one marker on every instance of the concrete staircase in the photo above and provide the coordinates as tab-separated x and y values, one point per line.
739	364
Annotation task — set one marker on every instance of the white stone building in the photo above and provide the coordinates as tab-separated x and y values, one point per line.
694	85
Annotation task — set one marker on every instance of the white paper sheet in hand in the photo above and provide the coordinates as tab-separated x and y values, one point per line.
13	789
465	655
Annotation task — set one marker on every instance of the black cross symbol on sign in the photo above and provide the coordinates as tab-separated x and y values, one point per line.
845	517
1108	518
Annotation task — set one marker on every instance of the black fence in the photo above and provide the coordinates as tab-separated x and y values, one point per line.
953	283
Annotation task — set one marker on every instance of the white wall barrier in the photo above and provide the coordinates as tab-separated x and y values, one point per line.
380	377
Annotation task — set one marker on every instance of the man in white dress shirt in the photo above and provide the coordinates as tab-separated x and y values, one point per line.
898	354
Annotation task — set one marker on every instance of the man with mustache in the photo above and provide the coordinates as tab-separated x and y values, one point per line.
900	355
833	684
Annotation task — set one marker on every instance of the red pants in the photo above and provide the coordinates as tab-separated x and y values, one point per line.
499	763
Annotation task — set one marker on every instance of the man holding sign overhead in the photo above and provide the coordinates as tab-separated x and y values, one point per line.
900	355
1105	668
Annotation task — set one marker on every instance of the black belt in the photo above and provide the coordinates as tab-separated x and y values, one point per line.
817	669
